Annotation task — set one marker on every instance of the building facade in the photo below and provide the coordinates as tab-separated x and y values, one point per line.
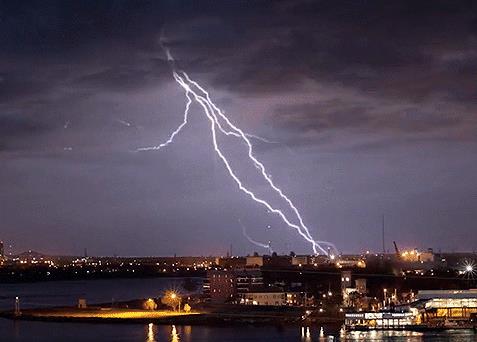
273	297
220	285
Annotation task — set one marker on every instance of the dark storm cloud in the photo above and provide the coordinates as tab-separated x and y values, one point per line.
420	58
13	127
124	78
411	63
322	116
15	86
49	27
408	52
359	44
338	114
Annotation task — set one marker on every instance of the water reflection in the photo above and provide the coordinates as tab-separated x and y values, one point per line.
150	333
375	335
305	334
41	331
174	334
187	333
335	333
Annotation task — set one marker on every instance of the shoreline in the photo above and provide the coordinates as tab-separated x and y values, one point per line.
98	315
122	315
106	316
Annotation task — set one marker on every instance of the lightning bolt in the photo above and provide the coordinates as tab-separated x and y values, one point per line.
218	121
238	132
256	243
256	137
175	132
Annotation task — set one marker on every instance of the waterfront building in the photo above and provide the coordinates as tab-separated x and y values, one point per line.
381	320
431	309
268	297
273	297
227	284
247	280
221	285
447	307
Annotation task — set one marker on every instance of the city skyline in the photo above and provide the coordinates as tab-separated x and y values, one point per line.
368	110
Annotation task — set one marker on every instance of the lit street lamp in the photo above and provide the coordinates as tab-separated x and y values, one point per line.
174	296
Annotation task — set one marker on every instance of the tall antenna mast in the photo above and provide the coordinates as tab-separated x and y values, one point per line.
384	245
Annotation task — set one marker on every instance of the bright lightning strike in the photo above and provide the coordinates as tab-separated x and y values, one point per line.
218	120
238	132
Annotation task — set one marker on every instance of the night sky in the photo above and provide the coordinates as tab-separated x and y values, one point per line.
371	105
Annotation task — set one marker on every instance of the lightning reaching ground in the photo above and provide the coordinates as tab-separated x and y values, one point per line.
219	122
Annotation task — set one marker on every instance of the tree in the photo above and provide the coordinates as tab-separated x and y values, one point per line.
149	304
187	308
171	299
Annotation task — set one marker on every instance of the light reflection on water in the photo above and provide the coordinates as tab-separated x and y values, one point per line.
177	334
172	333
150	333
321	335
305	334
375	335
32	331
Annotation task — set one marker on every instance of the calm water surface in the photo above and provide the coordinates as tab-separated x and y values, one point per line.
100	291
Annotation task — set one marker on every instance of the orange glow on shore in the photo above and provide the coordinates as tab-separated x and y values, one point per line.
111	313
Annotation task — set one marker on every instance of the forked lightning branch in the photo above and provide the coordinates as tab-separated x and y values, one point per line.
221	124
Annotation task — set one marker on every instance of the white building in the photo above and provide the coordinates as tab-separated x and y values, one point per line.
273	298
